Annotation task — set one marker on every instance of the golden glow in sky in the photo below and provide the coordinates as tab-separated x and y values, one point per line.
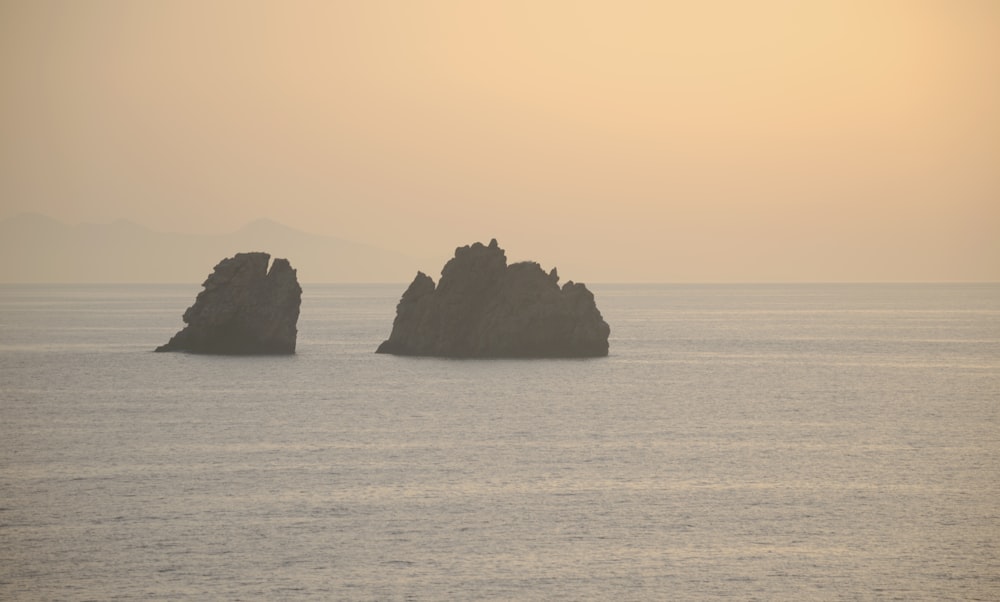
660	141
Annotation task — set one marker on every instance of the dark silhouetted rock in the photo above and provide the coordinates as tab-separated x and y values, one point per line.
483	307
245	309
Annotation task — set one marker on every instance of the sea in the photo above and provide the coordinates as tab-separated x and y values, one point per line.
748	442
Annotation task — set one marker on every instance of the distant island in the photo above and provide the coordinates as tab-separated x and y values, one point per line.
244	309
35	249
483	307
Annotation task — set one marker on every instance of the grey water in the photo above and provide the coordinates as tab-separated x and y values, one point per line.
756	442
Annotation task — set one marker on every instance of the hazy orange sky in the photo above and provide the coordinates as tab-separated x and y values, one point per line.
660	141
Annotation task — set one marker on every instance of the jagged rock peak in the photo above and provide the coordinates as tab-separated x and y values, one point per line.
483	307
244	309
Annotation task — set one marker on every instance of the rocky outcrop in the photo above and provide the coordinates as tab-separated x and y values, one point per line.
243	310
483	307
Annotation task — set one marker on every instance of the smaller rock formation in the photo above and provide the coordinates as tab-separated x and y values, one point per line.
483	307
243	310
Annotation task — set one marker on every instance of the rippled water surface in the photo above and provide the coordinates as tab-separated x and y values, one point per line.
753	442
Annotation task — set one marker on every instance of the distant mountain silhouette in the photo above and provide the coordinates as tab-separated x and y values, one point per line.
36	248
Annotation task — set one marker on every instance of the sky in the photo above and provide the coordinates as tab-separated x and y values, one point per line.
662	141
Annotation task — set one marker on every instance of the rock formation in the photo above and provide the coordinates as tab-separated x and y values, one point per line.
483	307
244	309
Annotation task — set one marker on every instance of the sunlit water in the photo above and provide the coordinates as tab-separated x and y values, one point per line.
752	442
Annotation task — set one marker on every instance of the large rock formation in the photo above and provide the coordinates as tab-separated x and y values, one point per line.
244	309
485	308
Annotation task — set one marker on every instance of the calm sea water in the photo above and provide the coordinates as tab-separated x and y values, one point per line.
752	442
